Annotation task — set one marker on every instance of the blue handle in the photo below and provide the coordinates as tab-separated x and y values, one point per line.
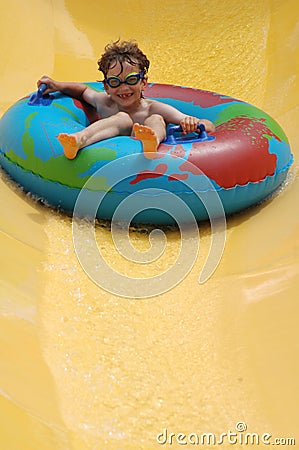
171	139
179	129
41	89
38	99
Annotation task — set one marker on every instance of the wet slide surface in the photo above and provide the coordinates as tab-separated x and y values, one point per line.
84	369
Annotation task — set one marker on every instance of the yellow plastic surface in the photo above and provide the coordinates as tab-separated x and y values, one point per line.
82	369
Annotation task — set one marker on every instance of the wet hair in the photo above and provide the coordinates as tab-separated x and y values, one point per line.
123	51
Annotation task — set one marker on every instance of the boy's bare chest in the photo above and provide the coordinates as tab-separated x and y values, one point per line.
138	114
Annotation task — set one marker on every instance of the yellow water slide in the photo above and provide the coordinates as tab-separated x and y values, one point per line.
214	363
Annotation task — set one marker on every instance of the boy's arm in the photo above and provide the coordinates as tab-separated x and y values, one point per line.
75	90
173	115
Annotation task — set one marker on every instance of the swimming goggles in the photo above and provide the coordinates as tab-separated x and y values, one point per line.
130	79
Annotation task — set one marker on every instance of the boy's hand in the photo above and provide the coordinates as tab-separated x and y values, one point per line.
52	85
189	124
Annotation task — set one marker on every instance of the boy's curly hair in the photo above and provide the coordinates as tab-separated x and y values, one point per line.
121	51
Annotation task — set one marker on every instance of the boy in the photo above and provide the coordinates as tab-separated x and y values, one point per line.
122	108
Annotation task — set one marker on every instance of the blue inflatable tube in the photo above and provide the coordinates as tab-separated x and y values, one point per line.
243	162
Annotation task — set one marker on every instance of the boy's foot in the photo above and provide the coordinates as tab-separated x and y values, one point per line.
148	138
70	143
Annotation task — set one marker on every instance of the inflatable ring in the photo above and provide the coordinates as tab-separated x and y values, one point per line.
243	162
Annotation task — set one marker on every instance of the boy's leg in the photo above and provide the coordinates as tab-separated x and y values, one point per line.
151	134
118	124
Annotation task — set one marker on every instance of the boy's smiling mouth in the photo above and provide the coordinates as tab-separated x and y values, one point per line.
124	96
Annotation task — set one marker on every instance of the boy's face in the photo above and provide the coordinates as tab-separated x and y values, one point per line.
126	96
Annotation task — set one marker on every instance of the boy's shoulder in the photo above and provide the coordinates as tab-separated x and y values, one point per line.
157	107
153	104
95	98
